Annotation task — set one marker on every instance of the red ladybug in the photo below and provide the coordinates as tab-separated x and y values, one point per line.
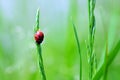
39	36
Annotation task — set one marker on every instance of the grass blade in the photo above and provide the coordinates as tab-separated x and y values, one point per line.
36	28
113	53
41	62
78	45
106	58
111	57
92	28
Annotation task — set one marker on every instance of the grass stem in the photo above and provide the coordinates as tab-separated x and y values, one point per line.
41	62
41	66
92	58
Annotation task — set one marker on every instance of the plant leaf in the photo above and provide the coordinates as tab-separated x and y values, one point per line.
78	45
111	57
36	28
113	53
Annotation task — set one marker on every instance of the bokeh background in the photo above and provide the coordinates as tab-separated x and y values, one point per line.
18	55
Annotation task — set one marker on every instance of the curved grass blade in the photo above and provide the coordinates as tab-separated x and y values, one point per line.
113	53
111	57
79	51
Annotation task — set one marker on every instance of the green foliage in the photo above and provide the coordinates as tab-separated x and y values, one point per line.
20	57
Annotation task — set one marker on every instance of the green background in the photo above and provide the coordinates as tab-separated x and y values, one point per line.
18	54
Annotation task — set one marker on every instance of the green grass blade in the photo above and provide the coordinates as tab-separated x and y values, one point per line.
78	45
36	28
113	53
111	57
106	59
41	62
92	27
99	72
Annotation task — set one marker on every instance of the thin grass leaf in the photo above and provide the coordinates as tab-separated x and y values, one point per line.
78	45
113	53
111	57
36	28
41	62
41	66
99	72
106	58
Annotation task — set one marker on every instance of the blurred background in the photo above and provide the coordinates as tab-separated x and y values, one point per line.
18	55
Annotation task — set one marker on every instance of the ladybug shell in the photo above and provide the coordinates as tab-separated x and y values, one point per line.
39	36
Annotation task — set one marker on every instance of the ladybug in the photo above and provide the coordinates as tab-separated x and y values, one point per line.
39	36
